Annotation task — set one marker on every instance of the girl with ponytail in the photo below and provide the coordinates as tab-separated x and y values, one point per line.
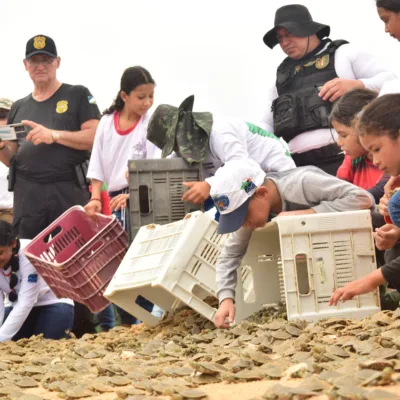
27	305
121	132
121	135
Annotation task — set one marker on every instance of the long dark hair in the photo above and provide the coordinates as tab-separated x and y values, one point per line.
8	238
381	117
130	80
390	5
350	104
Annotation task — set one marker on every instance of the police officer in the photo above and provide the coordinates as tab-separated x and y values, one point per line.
47	168
316	72
6	198
62	120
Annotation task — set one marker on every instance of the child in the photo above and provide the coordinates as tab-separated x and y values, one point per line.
357	166
246	197
202	137
379	128
30	307
122	128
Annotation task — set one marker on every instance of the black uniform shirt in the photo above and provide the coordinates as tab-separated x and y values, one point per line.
66	110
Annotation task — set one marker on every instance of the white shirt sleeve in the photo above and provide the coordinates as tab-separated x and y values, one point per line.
28	294
227	144
95	170
365	66
267	122
390	87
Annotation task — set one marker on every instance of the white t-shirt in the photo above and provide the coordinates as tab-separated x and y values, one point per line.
235	140
32	291
6	197
113	148
390	87
350	63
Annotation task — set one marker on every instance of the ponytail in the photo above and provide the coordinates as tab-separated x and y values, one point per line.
117	105
130	80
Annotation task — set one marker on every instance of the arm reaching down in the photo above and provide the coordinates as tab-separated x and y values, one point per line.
330	194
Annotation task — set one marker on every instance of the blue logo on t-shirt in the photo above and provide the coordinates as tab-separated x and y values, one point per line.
33	278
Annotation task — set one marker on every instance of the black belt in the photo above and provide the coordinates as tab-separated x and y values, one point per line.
324	154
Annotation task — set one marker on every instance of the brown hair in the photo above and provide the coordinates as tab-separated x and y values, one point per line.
350	104
381	117
390	5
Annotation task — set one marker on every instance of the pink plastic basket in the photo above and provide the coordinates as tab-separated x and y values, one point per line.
77	256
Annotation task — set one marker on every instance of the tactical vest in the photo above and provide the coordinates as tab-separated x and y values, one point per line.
299	108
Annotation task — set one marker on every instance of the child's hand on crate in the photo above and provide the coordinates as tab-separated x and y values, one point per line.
360	286
297	212
93	207
118	202
197	193
225	314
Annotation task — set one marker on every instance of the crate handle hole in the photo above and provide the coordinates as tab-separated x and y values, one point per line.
303	283
147	305
144	199
49	237
200	292
95	248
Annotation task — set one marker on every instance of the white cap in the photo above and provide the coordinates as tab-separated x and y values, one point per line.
232	187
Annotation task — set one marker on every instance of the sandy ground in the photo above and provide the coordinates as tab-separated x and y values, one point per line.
218	391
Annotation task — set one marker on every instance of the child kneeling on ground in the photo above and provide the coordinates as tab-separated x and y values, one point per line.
30	307
246	197
379	130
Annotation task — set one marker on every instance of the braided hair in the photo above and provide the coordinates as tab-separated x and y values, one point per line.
130	80
8	238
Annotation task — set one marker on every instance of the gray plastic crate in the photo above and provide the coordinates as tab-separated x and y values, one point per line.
155	191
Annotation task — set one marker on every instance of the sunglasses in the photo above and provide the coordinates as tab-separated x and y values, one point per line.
4	114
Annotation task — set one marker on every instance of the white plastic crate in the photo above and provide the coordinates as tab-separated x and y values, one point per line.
302	259
169	264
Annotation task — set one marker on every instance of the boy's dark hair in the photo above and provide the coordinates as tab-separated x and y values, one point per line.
350	104
7	238
130	80
390	5
381	117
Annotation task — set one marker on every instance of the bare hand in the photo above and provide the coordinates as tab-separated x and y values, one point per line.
93	207
383	206
226	310
198	192
386	237
127	176
337	87
118	202
350	290
298	212
39	134
392	184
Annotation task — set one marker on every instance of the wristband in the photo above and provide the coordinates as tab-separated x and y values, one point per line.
95	199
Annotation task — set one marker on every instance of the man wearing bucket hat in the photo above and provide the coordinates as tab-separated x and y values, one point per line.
246	197
204	138
6	198
315	73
